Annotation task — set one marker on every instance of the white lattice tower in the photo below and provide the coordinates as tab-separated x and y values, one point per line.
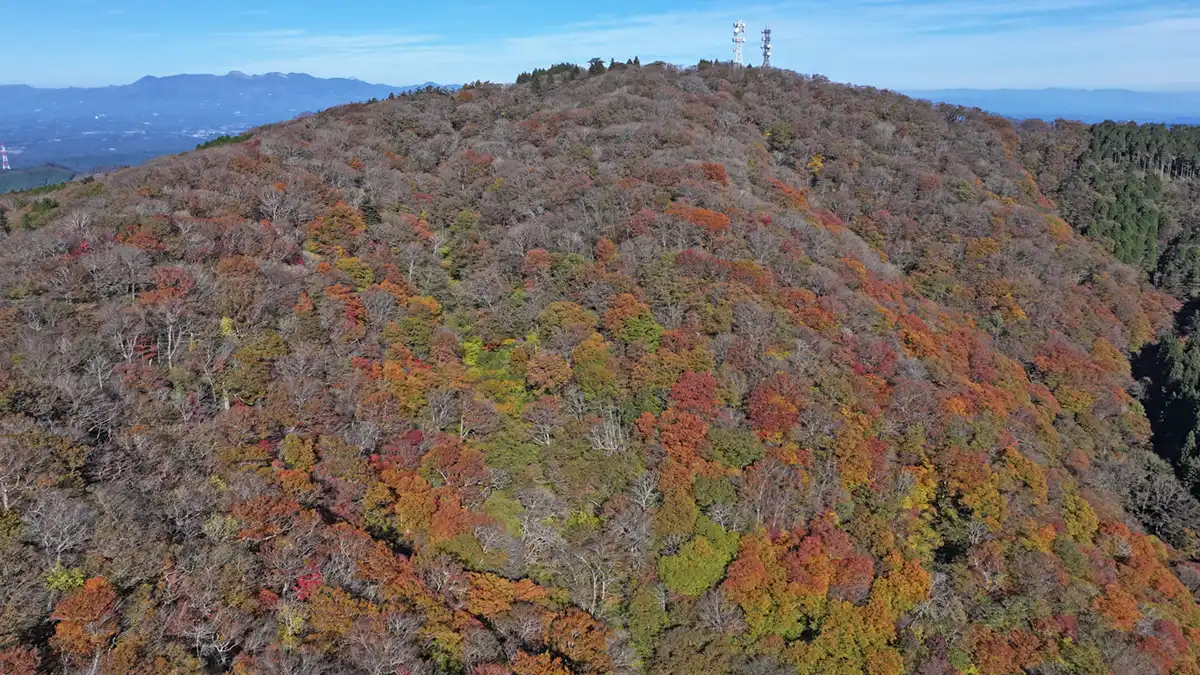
4	158
766	47
739	39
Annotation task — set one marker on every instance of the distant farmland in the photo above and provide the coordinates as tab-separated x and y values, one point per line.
38	176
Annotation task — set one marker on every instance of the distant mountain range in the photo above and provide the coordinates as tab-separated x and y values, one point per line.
1085	105
85	128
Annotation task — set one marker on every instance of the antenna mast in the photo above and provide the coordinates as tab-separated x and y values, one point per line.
4	159
766	47
739	39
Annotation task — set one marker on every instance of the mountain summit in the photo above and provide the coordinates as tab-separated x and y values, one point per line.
642	369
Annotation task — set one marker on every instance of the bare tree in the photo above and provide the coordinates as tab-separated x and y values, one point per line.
718	614
441	408
644	491
59	523
542	422
391	644
20	464
543	543
593	574
609	435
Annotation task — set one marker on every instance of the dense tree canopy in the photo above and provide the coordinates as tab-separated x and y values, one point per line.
1132	187
643	370
1135	189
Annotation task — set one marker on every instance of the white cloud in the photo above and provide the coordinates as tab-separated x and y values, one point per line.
891	43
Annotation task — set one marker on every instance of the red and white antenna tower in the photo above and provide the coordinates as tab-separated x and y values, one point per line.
739	39
4	159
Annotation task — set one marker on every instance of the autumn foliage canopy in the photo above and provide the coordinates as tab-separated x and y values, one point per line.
629	369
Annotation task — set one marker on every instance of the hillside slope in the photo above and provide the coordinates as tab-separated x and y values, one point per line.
1135	189
645	371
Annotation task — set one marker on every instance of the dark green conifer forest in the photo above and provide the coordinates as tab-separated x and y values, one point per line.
1135	189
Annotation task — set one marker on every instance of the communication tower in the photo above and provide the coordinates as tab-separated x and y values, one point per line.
4	158
739	39
766	47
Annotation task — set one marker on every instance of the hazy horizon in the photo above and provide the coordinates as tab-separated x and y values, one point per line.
1182	89
895	44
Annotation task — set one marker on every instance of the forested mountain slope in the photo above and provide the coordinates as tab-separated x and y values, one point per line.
1132	187
650	370
1136	190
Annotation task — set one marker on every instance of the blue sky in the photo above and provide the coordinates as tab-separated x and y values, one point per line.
900	44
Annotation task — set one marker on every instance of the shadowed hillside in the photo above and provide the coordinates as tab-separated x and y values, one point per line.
1135	189
646	370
